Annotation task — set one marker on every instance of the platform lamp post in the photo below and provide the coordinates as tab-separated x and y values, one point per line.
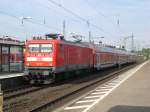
25	18
22	21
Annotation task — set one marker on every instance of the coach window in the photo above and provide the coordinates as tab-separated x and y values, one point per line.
15	58
5	59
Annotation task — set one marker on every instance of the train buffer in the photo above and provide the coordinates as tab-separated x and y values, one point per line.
129	93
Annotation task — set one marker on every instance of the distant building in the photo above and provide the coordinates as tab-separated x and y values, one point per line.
11	55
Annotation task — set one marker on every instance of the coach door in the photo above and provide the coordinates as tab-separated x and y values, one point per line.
98	60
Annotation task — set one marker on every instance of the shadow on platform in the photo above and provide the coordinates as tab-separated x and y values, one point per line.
125	108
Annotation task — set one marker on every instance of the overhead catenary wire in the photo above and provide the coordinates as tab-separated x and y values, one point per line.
30	21
53	10
78	16
10	15
67	10
116	22
63	13
98	12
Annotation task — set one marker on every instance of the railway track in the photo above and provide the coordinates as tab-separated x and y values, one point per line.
47	107
21	91
43	97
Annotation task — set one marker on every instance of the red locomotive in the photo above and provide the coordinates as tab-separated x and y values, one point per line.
48	59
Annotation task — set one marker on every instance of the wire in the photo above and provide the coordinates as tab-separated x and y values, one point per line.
33	22
101	14
10	15
67	10
44	25
51	9
74	14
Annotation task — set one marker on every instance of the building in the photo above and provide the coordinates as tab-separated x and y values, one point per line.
11	55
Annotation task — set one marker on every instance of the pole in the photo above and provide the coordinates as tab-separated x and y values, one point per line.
44	22
132	42
64	28
89	37
22	21
88	24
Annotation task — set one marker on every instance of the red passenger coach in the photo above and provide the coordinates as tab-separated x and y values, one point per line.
49	58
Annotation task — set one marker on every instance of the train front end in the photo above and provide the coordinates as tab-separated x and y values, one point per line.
40	61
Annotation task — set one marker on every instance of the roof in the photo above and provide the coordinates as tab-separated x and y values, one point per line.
9	41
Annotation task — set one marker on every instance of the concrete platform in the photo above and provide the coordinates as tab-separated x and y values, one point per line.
130	92
10	75
131	96
11	80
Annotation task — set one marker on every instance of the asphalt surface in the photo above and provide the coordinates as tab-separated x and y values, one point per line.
129	92
131	96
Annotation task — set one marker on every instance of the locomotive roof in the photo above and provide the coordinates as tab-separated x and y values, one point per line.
80	44
59	41
97	47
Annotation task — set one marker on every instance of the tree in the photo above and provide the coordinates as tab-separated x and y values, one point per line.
146	52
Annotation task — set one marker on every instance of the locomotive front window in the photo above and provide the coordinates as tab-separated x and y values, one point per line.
34	48
46	48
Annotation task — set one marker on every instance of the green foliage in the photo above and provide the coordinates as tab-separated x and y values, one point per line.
146	52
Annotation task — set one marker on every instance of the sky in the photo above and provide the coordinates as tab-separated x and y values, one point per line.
112	19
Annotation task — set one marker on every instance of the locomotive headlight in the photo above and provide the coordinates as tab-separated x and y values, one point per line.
31	59
47	59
